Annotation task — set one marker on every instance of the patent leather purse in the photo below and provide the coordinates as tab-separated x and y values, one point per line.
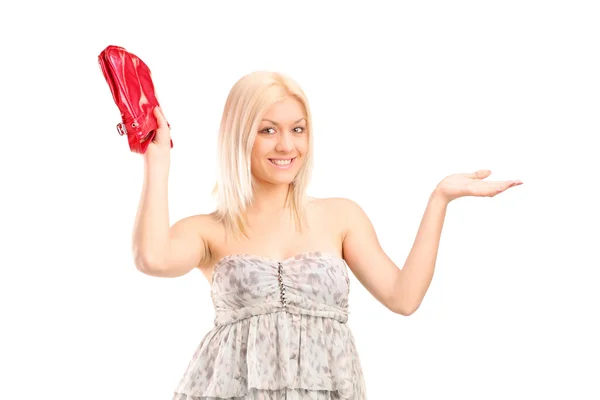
130	83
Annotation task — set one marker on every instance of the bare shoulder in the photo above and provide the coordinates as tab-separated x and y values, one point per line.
340	210
341	202
200	224
332	203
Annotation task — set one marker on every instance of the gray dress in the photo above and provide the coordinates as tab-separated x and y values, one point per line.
280	333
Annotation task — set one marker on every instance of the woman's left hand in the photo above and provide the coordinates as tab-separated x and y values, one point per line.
460	185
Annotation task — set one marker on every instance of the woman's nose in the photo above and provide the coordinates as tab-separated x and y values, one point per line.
285	142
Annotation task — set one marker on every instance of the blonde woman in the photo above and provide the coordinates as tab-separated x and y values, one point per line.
277	259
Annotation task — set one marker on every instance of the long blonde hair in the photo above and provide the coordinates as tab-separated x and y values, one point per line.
247	102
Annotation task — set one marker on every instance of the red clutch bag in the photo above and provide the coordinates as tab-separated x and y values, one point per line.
130	82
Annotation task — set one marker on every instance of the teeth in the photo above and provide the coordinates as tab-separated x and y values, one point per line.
281	162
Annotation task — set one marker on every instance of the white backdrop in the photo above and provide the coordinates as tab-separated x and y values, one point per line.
402	95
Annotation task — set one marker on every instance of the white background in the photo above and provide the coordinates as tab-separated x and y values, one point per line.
402	95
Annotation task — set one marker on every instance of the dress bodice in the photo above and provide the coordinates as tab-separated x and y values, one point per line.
280	332
312	283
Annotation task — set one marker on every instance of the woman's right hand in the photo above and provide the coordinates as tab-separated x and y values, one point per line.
160	147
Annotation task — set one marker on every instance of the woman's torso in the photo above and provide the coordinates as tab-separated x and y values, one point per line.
275	237
281	306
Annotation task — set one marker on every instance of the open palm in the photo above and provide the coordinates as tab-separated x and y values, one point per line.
472	184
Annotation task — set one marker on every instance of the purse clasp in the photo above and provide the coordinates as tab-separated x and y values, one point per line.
121	129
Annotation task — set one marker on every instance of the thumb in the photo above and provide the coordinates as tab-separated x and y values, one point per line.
160	118
163	131
481	174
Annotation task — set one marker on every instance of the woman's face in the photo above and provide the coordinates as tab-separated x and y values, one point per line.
281	143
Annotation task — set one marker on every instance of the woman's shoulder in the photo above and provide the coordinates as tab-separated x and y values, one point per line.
334	204
200	223
338	210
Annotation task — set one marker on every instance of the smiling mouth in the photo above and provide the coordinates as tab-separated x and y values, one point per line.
282	163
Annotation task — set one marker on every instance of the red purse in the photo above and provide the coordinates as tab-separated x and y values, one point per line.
130	82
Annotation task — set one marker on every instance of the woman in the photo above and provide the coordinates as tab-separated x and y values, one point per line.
276	258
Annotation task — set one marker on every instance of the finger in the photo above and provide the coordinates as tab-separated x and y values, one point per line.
504	184
481	174
160	118
499	183
514	183
501	187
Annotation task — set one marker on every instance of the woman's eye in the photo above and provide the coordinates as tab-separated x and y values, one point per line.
267	130
299	129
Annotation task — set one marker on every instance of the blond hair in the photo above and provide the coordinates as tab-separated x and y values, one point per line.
247	102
